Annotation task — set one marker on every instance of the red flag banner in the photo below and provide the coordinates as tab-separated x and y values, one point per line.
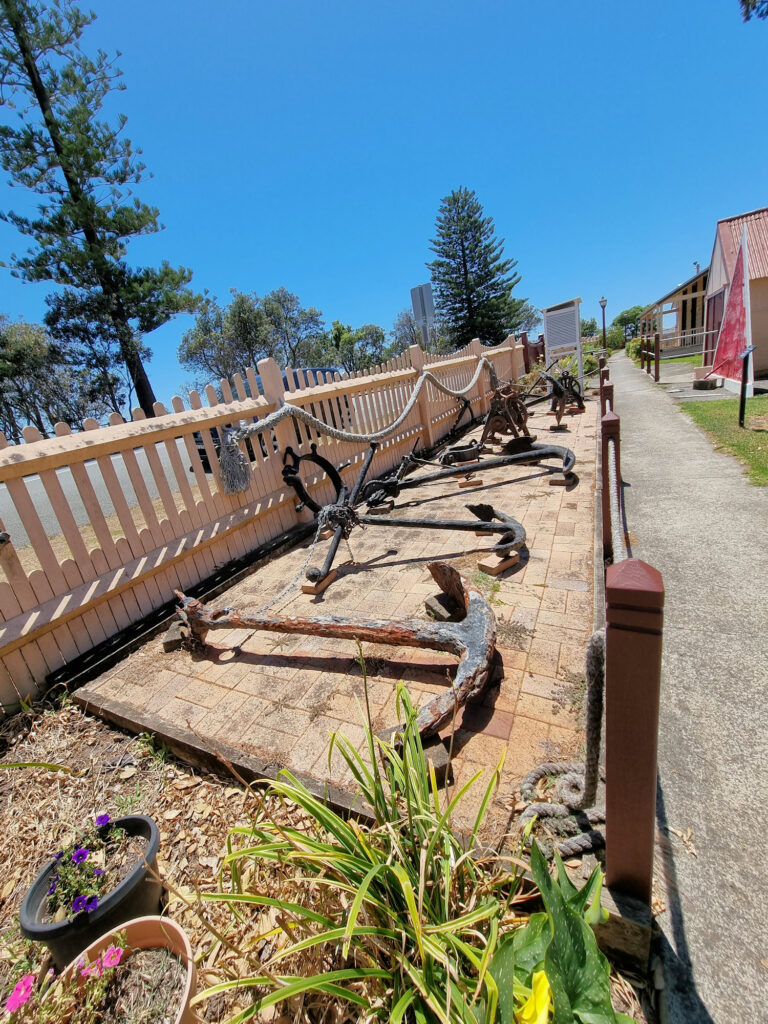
733	338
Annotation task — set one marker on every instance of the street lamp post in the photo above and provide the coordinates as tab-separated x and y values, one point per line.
603	304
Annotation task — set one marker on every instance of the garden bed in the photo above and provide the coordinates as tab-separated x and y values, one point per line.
115	773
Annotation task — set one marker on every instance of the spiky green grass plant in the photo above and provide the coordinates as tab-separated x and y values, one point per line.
398	919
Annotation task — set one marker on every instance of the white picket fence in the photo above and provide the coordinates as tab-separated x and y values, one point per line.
168	524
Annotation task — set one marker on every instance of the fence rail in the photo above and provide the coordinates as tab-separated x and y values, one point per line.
117	517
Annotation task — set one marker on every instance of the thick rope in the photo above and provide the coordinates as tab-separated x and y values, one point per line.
595	688
617	532
575	791
236	471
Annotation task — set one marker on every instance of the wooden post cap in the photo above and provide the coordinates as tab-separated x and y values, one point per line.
634	584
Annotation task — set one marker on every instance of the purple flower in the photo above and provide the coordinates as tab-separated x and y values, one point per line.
52	886
59	855
98	872
80	855
84	903
103	819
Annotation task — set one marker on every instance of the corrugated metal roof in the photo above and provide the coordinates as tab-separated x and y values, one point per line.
671	295
730	231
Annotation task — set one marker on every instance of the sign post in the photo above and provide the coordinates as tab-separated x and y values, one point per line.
744	357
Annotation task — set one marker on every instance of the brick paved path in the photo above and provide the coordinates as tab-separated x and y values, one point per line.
280	697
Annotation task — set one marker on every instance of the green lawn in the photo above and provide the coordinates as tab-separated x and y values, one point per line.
693	360
720	420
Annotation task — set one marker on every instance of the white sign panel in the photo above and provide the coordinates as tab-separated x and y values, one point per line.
562	334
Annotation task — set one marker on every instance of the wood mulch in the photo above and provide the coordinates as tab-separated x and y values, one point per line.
117	773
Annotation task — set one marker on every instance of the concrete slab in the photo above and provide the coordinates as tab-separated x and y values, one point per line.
693	515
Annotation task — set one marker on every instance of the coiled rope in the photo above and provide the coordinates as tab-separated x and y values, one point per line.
235	469
572	809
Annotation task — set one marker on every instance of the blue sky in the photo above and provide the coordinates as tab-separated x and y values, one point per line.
309	145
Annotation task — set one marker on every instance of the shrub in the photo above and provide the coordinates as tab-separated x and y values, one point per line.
399	918
633	348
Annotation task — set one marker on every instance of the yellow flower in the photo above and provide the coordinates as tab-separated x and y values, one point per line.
536	1008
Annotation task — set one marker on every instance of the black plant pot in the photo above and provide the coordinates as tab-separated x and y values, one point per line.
138	895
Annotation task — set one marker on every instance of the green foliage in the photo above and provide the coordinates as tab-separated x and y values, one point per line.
154	747
589	328
405	923
614	338
353	348
758	8
633	348
589	363
84	172
560	943
38	385
405	332
624	327
227	340
472	281
405	916
296	330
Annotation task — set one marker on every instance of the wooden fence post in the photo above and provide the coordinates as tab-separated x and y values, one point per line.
427	432
610	428
633	638
656	357
274	391
516	358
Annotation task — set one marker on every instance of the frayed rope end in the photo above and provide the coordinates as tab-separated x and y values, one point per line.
235	471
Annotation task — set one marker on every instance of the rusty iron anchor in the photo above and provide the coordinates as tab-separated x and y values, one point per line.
473	639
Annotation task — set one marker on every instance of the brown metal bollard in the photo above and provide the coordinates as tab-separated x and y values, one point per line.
606	398
610	427
633	639
656	357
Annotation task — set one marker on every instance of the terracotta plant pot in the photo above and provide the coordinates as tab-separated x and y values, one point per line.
150	933
138	894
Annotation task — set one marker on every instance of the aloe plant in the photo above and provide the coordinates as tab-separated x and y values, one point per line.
410	927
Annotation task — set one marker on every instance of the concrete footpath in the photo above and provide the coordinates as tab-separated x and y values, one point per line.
692	515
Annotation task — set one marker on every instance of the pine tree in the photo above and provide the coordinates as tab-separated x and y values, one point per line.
472	281
84	171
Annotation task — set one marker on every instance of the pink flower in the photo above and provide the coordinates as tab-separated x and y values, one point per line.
21	993
112	956
93	970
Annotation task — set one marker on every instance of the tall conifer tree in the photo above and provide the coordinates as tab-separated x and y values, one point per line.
471	279
84	171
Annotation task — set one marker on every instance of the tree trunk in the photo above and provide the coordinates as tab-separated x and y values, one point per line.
129	355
